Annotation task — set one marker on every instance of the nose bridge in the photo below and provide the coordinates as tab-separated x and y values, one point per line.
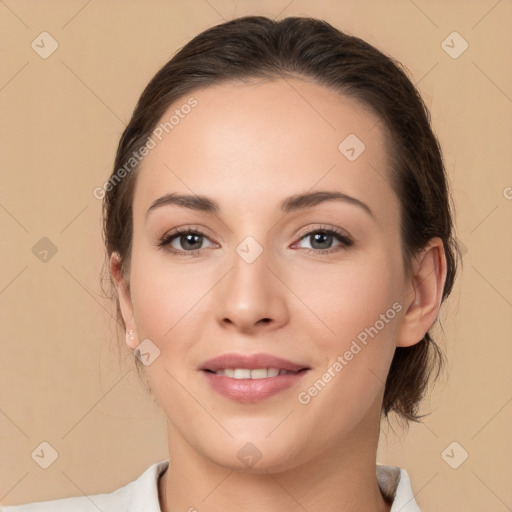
251	293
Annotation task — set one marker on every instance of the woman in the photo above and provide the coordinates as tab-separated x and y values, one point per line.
279	236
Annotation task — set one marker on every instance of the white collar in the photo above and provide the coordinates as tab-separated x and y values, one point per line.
393	482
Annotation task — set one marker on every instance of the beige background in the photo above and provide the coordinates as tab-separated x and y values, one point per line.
62	378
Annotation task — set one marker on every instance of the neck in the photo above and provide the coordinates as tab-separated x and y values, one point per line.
338	480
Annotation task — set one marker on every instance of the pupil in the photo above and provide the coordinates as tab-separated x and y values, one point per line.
319	237
189	240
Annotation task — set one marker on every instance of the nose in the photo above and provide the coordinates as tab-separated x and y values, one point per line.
251	298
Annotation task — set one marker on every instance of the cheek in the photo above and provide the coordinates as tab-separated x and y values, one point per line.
353	371
360	313
163	296
349	300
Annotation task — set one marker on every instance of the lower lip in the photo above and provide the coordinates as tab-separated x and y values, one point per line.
252	390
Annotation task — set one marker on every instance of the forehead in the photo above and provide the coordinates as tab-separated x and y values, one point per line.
268	139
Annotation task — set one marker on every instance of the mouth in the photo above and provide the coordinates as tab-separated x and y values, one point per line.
251	378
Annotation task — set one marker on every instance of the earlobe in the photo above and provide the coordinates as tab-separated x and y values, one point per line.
124	298
425	294
130	339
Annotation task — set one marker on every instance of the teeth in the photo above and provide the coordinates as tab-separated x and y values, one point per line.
245	373
260	374
242	373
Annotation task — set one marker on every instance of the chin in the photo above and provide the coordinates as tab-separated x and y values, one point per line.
254	454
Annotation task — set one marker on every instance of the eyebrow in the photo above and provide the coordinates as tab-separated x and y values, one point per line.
290	204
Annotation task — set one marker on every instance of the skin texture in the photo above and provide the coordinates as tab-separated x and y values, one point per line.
248	147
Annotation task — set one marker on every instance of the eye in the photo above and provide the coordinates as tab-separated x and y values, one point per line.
189	242
183	241
321	240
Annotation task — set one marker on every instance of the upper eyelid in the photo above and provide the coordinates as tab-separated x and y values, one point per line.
337	231
184	230
176	233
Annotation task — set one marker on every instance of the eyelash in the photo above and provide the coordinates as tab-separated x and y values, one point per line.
346	241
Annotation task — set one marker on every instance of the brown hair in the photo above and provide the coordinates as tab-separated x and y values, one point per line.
259	47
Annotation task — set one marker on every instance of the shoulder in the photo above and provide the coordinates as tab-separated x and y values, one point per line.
140	495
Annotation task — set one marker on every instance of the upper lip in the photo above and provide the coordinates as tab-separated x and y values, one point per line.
251	362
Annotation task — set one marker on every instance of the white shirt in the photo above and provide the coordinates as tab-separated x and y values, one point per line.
141	495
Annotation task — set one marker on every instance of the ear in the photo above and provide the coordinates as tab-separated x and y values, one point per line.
124	298
425	293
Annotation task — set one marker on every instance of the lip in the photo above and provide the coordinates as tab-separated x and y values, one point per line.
251	390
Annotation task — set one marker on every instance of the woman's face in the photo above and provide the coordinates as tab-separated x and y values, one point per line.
256	273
